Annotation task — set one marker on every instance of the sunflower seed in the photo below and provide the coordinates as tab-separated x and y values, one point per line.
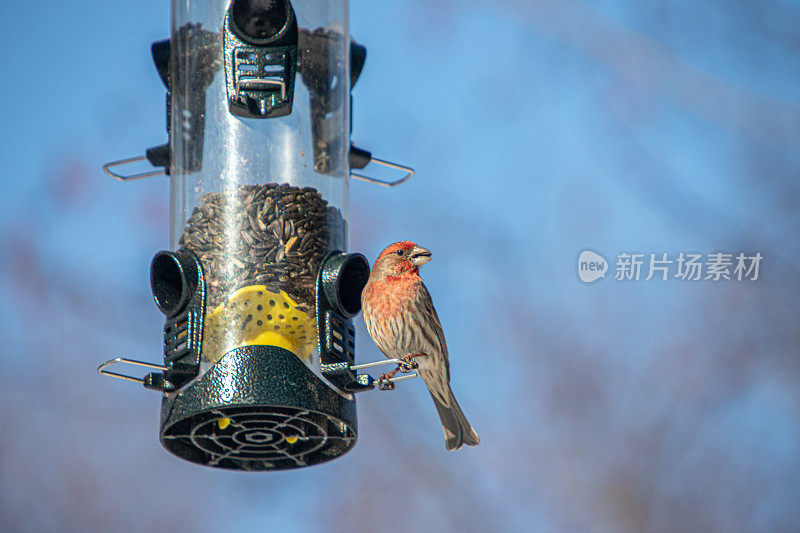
272	235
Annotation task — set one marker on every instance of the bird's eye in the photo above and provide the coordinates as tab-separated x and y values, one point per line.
400	252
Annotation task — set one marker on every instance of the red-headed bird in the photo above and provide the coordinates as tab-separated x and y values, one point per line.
400	317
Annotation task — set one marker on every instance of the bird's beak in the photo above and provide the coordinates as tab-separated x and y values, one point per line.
419	256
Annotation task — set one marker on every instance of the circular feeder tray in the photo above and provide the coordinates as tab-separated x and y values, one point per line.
258	408
261	437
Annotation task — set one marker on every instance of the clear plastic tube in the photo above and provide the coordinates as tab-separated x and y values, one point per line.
259	200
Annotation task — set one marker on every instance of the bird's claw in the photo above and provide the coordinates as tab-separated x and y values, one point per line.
385	381
408	363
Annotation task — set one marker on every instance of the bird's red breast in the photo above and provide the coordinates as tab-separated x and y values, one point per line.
389	295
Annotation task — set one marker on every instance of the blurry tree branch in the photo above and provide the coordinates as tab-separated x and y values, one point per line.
655	68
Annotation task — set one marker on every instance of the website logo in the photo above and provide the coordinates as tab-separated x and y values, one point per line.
591	266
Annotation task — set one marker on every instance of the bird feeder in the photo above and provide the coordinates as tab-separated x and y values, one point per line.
258	293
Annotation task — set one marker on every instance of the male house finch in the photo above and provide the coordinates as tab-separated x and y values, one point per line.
399	315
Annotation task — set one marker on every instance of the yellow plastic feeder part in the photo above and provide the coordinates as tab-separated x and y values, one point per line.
254	315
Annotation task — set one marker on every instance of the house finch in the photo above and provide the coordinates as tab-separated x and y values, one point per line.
400	317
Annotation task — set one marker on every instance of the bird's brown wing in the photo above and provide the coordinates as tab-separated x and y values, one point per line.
428	314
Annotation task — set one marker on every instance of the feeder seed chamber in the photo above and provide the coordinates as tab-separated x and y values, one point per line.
259	366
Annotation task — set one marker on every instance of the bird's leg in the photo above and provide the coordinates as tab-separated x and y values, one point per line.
409	364
385	381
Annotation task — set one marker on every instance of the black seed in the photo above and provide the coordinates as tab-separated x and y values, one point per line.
240	237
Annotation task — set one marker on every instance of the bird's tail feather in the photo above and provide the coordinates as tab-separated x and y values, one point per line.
457	430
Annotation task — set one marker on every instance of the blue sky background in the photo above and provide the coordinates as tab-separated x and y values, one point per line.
538	129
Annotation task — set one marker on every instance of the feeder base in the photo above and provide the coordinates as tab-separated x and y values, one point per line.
258	408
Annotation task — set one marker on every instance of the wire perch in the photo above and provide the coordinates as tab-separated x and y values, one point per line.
130	177
102	368
406	364
408	173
